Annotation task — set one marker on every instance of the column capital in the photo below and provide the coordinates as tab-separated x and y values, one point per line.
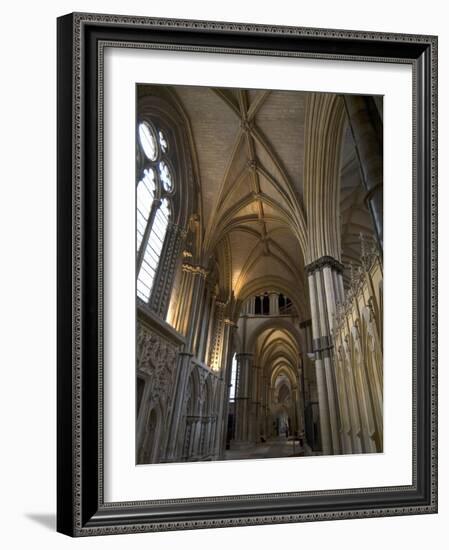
194	269
321	263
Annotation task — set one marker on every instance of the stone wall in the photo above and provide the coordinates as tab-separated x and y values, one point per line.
358	358
178	397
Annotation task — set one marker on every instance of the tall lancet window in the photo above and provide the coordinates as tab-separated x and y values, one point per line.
155	186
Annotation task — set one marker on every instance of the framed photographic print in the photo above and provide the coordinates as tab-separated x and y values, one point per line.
246	274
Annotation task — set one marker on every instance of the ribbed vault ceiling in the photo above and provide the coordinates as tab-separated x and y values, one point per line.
277	352
250	151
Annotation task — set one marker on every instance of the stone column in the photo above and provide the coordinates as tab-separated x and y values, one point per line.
181	316
227	352
182	376
274	303
188	312
261	424
252	309
213	427
187	317
255	404
205	428
243	397
203	324
210	328
220	357
367	133
196	438
299	409
273	427
187	443
325	429
216	342
324	277
199	279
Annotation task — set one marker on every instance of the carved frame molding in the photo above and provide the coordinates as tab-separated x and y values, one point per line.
81	42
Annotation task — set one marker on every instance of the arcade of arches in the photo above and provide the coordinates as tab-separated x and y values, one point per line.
259	274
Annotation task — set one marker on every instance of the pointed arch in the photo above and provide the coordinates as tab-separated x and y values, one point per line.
325	119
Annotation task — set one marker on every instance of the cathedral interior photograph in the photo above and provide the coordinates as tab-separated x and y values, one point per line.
259	274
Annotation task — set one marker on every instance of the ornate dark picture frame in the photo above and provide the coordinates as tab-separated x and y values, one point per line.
81	510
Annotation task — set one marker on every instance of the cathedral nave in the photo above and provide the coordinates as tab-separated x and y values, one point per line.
259	274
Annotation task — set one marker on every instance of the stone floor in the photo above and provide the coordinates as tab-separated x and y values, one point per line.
273	448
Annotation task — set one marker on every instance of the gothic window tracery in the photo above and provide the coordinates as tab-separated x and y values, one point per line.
155	186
